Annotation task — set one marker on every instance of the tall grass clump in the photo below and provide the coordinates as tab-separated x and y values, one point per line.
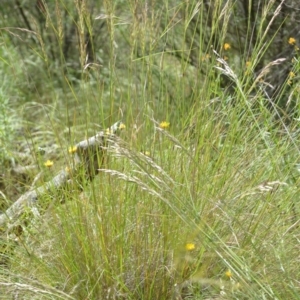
197	197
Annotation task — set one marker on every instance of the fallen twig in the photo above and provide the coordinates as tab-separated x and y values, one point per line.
89	157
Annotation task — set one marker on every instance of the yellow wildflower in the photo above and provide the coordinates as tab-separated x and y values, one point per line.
228	274
190	246
164	125
226	46
122	126
289	82
48	163
292	41
147	153
248	64
72	149
292	75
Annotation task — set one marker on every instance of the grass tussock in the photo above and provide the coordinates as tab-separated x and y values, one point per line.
197	197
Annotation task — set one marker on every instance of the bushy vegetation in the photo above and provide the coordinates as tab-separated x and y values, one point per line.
198	197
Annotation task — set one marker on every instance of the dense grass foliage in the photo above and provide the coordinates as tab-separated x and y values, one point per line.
198	196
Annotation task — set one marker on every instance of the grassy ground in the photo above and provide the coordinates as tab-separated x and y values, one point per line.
199	197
